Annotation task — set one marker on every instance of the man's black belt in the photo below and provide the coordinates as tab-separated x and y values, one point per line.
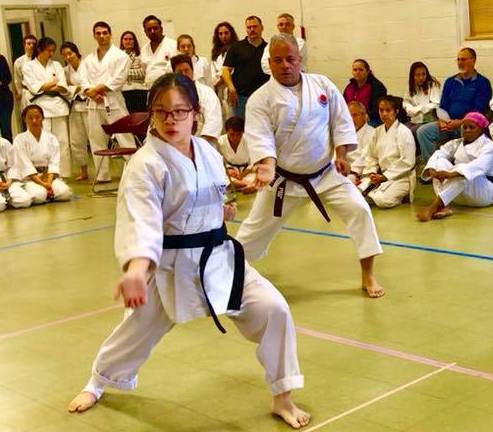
303	180
209	240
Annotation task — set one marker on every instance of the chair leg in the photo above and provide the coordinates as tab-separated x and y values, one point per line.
101	192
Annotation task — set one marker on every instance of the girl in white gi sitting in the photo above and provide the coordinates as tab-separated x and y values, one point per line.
178	261
11	192
234	150
389	173
462	170
36	155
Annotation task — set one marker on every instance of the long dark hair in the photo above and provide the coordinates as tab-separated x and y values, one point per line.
430	80
217	47
136	42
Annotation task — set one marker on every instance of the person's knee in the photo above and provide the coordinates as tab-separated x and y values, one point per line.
23	200
385	201
62	193
39	195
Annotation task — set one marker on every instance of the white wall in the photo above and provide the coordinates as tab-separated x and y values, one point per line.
390	34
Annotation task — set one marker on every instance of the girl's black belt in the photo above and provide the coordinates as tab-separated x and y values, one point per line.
209	240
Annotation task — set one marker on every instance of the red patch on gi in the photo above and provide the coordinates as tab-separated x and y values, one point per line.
322	99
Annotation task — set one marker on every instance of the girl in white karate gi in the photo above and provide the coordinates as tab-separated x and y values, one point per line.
201	66
172	191
78	121
462	170
390	159
36	155
46	86
11	192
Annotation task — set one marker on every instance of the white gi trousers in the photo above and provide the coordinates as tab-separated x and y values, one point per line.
475	193
391	193
79	136
19	198
58	126
39	194
264	318
99	140
259	228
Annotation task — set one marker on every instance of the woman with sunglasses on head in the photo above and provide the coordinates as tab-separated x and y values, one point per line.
461	170
178	261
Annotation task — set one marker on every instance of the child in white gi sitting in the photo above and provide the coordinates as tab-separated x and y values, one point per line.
233	147
389	174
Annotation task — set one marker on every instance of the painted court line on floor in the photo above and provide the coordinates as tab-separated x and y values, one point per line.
300	330
10	335
379	398
391	352
284	228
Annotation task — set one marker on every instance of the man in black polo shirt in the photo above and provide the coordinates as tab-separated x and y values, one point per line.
242	71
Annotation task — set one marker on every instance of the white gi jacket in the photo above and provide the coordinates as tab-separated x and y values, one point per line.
357	158
303	51
391	153
202	70
323	123
238	157
111	71
163	191
74	80
470	160
421	105
18	77
28	154
157	63
34	76
5	155
211	119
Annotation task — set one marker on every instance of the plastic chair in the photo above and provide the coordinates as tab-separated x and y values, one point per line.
136	124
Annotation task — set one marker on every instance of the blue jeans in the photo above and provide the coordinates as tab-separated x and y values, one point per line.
429	135
239	109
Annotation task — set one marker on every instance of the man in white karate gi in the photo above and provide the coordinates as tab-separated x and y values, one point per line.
294	123
29	44
105	73
156	54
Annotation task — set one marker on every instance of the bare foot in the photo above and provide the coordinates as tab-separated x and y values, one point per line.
443	213
81	178
372	287
82	402
284	407
426	214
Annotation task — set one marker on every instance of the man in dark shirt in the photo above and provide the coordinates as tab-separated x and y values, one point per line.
6	100
242	71
462	93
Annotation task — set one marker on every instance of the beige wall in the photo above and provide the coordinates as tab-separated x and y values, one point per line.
390	34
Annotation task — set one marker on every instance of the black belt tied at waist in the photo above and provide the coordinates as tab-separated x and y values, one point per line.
209	240
5	193
303	180
240	166
50	94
